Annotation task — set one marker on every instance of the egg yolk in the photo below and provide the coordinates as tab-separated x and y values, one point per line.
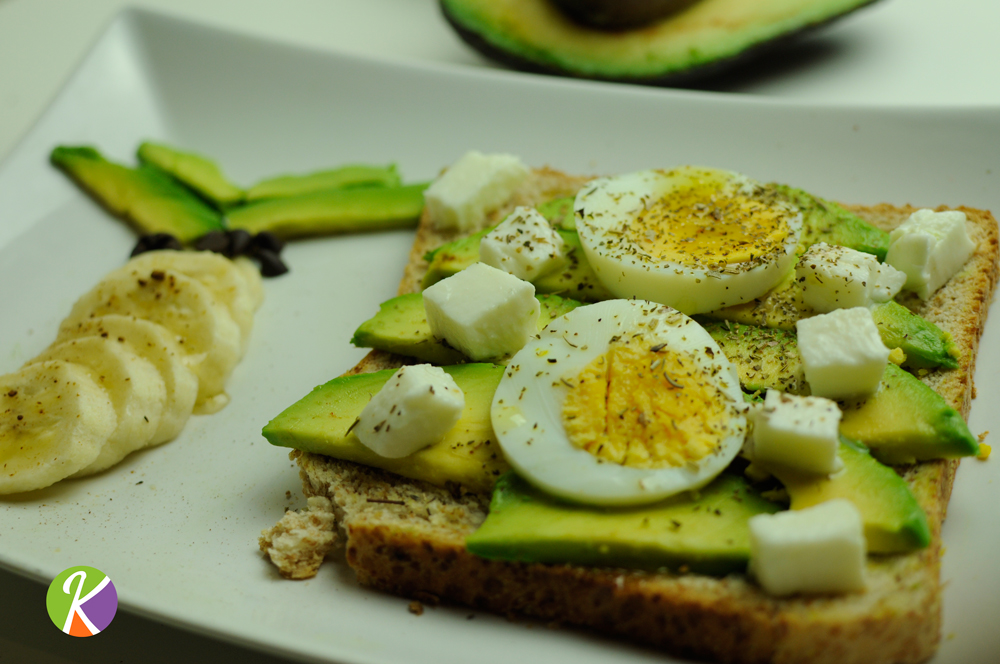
709	224
645	408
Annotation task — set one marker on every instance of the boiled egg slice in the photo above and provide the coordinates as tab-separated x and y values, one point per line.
622	402
697	239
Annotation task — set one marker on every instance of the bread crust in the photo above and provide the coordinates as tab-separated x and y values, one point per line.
407	537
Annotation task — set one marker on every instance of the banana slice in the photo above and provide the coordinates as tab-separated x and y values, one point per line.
205	330
226	282
156	344
251	274
54	421
133	383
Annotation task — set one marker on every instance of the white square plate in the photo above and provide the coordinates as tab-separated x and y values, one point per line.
176	527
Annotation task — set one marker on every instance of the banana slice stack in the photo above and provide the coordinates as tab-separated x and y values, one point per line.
152	343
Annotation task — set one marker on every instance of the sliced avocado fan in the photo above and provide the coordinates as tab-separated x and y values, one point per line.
700	38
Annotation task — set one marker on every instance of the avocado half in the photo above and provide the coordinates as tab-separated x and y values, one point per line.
701	39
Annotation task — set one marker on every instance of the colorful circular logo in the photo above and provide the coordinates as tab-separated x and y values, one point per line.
82	601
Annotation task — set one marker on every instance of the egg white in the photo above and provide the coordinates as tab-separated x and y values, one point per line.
527	407
606	217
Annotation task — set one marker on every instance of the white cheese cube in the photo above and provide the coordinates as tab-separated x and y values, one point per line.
820	549
930	247
414	409
842	353
482	311
524	244
801	433
835	277
471	187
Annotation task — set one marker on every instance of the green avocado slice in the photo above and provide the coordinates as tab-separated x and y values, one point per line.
145	196
401	327
903	422
353	175
893	519
200	174
573	278
468	455
699	39
333	211
704	532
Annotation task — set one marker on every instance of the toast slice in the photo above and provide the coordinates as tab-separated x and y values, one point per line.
407	537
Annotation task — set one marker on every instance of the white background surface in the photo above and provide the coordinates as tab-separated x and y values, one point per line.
894	52
899	52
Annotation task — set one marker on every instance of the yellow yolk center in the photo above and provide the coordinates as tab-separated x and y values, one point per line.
644	408
700	226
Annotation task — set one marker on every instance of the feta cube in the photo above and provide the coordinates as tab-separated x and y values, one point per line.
820	549
524	244
482	311
930	247
842	353
835	277
415	408
800	433
471	187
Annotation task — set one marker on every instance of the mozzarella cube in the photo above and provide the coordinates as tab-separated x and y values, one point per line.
930	247
482	311
842	353
801	433
416	407
471	187
820	549
835	277
524	244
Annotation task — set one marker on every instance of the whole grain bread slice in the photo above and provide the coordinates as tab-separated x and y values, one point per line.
407	537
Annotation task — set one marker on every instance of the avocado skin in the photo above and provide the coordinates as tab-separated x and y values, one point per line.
704	532
145	196
200	174
353	175
526	35
333	211
468	455
401	327
903	422
893	519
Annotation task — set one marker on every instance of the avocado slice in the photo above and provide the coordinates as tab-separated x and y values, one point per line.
559	212
893	519
400	327
468	455
198	173
352	175
704	532
903	422
145	196
925	344
333	211
699	39
906	421
826	221
573	277
764	357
